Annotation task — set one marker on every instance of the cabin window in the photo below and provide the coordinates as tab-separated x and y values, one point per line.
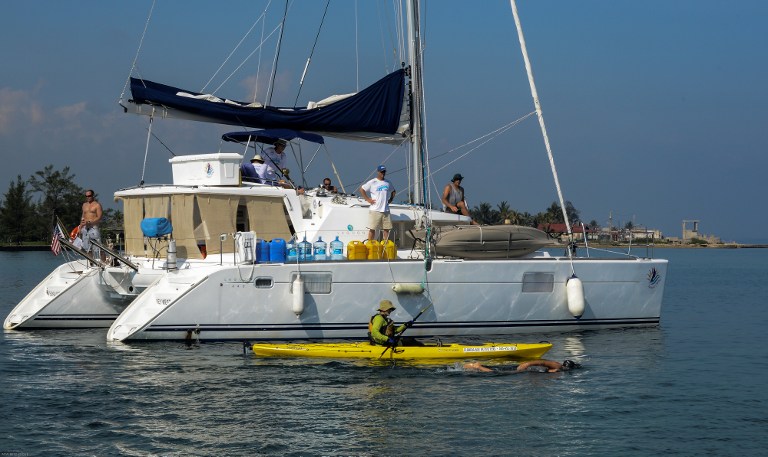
314	282
538	282
263	283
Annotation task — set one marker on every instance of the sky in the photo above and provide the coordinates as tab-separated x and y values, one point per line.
657	111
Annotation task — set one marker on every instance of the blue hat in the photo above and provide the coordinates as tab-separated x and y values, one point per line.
381	168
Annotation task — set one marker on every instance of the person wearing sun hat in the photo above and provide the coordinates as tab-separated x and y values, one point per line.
453	197
381	329
379	192
254	171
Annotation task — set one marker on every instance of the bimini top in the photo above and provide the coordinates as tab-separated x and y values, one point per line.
377	113
270	136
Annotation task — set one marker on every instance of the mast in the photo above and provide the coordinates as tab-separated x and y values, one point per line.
417	97
540	114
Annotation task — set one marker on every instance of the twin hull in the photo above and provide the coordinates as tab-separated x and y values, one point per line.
73	295
470	297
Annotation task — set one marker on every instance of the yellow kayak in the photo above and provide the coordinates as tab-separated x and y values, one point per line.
365	350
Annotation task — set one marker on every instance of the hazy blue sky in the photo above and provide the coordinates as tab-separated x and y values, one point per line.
656	109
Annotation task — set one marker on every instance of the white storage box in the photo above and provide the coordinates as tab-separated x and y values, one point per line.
221	169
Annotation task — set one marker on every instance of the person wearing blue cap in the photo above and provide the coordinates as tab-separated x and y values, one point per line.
379	192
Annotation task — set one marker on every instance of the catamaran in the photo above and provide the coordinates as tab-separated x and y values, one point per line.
217	284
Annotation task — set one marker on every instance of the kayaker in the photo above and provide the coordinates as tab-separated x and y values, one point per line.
381	329
550	366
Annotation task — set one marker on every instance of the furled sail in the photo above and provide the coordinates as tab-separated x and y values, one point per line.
377	113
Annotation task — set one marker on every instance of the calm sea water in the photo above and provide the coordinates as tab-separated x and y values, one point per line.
696	385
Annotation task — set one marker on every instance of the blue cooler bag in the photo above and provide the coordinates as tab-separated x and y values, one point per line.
154	227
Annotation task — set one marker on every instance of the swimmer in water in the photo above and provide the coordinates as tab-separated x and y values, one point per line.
550	365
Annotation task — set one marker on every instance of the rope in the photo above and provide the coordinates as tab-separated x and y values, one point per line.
312	52
136	57
277	55
263	15
146	148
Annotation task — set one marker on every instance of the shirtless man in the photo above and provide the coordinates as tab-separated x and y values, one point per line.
89	227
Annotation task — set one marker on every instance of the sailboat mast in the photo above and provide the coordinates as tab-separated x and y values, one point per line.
539	113
417	97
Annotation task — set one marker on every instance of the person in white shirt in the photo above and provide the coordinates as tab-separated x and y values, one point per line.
379	192
254	171
275	162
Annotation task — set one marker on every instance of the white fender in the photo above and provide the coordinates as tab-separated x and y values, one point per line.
574	291
407	288
298	295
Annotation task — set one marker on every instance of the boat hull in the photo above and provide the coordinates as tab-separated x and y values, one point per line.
517	351
463	297
74	295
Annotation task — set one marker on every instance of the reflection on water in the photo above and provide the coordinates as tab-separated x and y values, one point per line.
639	391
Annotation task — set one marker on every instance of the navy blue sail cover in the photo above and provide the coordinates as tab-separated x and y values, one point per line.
375	109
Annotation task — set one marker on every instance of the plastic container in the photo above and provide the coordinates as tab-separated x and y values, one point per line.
262	251
320	249
357	251
305	251
337	249
291	251
388	250
374	249
277	250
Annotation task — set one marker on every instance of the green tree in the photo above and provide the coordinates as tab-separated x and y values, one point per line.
483	214
59	196
16	213
507	213
111	224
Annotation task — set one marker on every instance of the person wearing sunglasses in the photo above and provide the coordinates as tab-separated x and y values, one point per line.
89	225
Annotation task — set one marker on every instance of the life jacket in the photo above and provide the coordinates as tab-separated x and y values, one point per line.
73	234
389	330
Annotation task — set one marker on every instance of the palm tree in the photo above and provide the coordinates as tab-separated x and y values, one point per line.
507	215
484	214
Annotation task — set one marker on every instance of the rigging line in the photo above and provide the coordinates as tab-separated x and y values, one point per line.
495	132
245	60
277	54
161	142
357	51
398	48
430	175
138	50
263	16
335	171
312	52
311	159
470	151
146	148
370	174
258	64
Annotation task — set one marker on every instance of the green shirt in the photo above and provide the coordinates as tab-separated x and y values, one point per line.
379	325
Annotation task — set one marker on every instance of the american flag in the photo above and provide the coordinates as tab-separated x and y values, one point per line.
55	244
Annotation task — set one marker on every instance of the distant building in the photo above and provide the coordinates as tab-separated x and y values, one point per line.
691	232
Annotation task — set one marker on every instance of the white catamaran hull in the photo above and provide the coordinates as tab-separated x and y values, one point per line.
471	297
74	295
